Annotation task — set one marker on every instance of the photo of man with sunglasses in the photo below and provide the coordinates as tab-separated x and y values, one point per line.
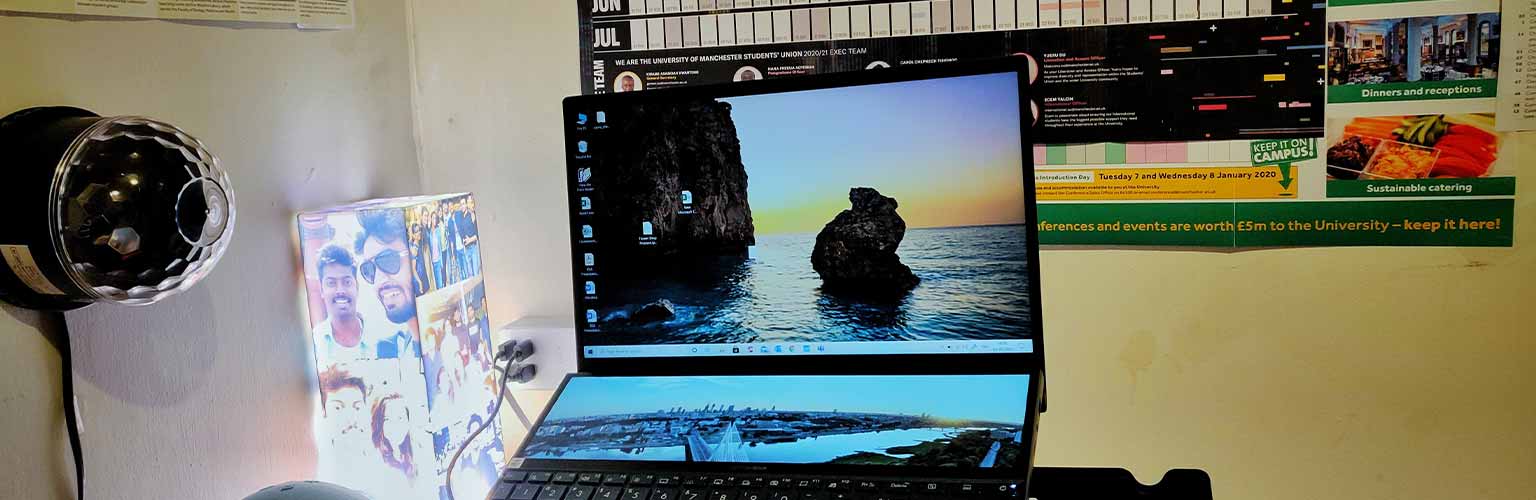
382	255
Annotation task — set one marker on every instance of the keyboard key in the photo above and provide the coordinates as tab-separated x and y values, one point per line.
754	495
668	481
898	486
636	494
552	492
513	476
815	495
743	482
718	482
781	495
502	490
607	493
691	494
615	479
663	494
563	478
722	495
866	485
696	481
930	488
588	477
538	477
579	492
525	491
642	479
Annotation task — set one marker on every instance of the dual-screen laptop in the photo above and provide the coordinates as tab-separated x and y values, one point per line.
799	289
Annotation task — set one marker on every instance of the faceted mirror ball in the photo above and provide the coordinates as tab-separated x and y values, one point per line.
140	210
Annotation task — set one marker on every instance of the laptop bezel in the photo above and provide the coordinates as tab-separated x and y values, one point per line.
743	364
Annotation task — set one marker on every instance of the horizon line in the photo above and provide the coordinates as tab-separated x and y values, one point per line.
962	226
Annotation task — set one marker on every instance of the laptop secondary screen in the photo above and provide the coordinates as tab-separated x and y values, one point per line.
882	219
972	422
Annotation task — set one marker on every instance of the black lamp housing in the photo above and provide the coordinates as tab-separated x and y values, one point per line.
106	209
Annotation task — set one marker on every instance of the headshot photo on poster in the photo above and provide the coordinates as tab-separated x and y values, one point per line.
627	81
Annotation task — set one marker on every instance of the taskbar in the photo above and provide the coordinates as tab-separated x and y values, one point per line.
814	348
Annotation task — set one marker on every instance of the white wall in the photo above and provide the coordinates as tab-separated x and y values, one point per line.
489	79
1365	373
208	394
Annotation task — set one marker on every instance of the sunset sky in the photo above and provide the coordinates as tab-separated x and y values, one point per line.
948	150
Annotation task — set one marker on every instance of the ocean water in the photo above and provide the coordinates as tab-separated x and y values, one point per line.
810	450
974	286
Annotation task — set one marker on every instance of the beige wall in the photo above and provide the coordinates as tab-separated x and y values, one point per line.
205	396
1309	373
1368	373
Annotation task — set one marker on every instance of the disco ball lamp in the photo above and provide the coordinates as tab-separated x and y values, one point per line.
120	209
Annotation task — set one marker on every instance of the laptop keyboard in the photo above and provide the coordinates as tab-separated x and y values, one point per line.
586	485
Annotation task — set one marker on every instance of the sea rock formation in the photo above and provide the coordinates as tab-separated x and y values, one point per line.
643	166
660	310
856	252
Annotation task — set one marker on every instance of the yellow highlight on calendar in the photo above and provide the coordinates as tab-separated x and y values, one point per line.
1183	183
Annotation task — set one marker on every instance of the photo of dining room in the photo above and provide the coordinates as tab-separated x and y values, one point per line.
1433	48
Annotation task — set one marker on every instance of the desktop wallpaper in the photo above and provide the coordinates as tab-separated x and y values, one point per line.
875	213
960	421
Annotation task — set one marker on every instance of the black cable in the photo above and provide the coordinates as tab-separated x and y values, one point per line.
517	409
448	481
71	420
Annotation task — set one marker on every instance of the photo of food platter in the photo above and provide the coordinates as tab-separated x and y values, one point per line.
1413	147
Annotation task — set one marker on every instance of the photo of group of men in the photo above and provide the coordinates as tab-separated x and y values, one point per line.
402	346
445	241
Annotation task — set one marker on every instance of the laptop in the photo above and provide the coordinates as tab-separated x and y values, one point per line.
799	289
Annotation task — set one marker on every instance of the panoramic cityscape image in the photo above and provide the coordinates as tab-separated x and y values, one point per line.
900	420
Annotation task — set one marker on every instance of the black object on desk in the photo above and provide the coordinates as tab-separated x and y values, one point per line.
1103	483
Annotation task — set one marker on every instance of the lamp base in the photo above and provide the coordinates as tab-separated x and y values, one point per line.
33	140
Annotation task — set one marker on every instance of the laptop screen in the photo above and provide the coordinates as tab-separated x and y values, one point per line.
874	219
948	421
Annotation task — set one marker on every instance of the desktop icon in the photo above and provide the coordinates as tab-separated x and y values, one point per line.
602	117
589	352
821	348
749	349
581	118
584	175
646	229
791	348
591	316
591	288
778	348
806	348
586	203
735	350
586	232
581	146
687	198
589	260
